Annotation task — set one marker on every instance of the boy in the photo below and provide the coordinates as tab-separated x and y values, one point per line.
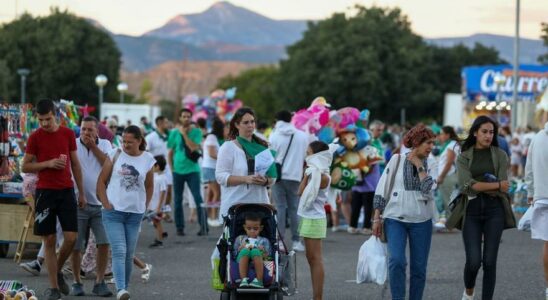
251	246
157	201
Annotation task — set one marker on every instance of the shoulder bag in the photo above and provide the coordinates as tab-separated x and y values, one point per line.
278	165
388	186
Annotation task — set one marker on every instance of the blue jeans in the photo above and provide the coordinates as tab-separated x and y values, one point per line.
286	199
420	237
193	181
122	230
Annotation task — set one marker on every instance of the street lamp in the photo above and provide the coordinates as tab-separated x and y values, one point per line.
23	73
499	81
122	88
101	80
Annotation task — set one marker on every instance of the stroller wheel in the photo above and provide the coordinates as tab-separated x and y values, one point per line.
225	295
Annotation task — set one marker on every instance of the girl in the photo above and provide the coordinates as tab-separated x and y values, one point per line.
482	170
515	157
211	147
313	225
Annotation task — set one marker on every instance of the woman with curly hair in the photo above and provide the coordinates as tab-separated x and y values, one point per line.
404	205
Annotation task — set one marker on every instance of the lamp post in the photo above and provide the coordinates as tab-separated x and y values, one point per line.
499	81
101	80
23	73
122	88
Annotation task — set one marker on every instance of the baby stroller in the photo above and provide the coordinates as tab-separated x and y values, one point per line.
228	267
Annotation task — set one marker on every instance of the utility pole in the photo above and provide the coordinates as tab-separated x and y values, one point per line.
514	111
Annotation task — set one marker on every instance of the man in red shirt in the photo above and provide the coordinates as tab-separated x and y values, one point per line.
51	152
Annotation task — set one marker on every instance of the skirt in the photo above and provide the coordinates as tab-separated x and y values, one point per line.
539	222
313	228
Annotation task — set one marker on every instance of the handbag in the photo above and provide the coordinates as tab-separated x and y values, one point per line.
278	165
388	186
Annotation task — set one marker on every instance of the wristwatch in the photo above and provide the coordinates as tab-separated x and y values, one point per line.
421	170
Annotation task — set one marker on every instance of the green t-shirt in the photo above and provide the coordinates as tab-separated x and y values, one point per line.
482	163
181	164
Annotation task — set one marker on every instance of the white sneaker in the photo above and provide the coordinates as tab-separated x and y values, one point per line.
466	297
122	295
352	230
145	273
298	246
439	226
365	231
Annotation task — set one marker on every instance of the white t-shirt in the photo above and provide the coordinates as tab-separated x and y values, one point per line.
316	210
160	185
156	145
91	168
126	190
208	161
455	147
232	161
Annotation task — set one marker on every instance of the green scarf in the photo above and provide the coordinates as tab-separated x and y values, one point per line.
163	137
444	146
252	149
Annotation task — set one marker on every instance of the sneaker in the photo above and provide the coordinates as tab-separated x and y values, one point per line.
122	295
180	232
439	226
77	289
256	284
52	294
244	283
145	273
164	234
337	229
156	244
63	286
101	289
110	281
365	231
298	246
466	297
34	267
352	230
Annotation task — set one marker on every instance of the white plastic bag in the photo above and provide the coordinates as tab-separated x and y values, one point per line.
525	221
372	262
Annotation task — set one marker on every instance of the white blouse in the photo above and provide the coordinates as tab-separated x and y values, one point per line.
231	160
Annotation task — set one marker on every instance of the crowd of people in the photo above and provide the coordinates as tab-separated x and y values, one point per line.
148	172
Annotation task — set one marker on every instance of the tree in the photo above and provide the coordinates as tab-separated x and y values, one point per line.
5	87
257	89
543	59
64	53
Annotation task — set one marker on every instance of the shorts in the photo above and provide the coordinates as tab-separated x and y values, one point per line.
208	175
52	205
251	253
313	228
90	217
539	222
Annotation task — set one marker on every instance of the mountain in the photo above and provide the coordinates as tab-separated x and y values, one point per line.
530	49
226	23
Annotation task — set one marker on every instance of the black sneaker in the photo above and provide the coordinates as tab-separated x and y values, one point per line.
180	232
156	244
77	289
164	234
63	286
52	294
101	289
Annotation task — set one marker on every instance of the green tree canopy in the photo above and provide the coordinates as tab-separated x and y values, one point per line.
64	54
543	59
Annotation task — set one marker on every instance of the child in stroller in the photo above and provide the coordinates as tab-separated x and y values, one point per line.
235	267
251	246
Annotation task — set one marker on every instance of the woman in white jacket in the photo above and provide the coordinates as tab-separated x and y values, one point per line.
406	205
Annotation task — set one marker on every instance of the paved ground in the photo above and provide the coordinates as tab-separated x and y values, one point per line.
181	270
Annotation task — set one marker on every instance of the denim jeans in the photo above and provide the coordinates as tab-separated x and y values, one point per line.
484	218
122	230
286	199
420	237
193	181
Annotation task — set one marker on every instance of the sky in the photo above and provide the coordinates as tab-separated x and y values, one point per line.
429	18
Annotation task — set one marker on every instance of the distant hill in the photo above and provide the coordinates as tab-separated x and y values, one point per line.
530	49
226	23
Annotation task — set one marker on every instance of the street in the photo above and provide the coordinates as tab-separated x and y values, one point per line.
181	270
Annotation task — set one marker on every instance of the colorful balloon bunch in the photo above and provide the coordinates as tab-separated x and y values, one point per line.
219	103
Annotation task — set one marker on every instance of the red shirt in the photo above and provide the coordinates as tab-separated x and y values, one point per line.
48	145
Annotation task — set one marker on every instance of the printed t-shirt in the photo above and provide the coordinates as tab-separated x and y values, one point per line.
126	190
49	145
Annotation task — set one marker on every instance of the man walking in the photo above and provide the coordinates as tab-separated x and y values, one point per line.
536	170
92	152
51	152
184	151
290	145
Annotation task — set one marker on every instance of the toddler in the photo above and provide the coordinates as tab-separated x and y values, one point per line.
157	200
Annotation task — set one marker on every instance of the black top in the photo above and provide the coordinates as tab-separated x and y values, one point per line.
482	163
